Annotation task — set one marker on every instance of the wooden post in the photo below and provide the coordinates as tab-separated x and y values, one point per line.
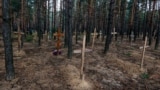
144	48
83	57
94	36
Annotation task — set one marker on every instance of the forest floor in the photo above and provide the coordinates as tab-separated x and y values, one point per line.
36	68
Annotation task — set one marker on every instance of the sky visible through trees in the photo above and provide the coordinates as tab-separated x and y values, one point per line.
58	4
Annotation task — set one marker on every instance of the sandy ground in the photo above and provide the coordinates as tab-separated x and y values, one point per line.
37	69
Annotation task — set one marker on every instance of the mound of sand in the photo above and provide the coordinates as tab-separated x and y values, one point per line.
72	75
19	53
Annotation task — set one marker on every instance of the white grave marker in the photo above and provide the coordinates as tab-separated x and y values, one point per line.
114	33
142	47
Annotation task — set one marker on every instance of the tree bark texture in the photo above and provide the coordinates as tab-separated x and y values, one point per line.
7	41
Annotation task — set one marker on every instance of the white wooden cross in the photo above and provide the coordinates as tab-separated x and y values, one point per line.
144	49
95	34
114	32
86	50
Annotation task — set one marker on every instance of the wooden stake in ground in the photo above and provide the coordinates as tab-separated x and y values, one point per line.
94	36
83	55
144	48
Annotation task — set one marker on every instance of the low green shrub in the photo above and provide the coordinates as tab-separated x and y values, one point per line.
29	38
144	75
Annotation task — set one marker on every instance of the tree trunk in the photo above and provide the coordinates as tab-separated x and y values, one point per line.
39	22
45	14
22	22
54	23
65	23
131	28
110	24
88	31
158	33
123	11
7	41
151	23
53	28
48	21
70	3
